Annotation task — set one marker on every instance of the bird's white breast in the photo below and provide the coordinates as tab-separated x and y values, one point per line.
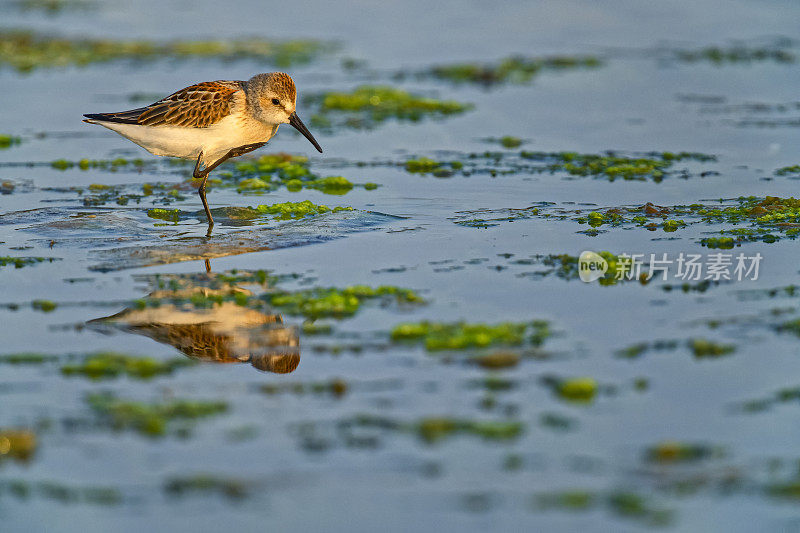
213	142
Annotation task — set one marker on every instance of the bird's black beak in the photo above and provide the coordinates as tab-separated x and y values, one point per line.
297	124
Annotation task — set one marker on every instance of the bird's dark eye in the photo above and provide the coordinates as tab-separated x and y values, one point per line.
275	101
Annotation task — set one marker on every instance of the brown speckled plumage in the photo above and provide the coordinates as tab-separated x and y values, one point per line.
197	106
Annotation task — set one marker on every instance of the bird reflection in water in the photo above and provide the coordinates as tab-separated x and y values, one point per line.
225	332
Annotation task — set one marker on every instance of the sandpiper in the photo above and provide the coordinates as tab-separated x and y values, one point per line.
211	122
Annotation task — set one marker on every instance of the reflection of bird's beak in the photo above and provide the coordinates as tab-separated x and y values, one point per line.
295	121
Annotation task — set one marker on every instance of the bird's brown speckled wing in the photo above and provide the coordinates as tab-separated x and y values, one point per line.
196	106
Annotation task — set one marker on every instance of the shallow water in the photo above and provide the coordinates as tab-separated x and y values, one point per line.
353	438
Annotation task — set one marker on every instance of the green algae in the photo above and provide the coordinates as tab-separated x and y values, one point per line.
206	484
439	336
624	504
17	443
494	383
110	165
750	219
432	430
27	358
45	306
509	141
635	506
335	387
435	429
738	53
61	492
635	351
337	303
706	348
699	347
317	328
367	106
7	141
270	172
577	390
671	452
169	215
515	69
610	165
793	170
497	360
150	419
295	210
328	185
784	395
20	262
105	365
656	166
568	500
53	7
26	51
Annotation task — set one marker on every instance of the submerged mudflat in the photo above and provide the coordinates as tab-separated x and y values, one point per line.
398	334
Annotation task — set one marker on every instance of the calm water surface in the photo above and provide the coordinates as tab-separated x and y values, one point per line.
303	463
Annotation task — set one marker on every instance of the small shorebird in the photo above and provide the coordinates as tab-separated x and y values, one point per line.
211	122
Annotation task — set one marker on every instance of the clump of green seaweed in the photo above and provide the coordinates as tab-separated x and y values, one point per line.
367	106
625	504
53	7
60	492
27	51
793	170
612	166
7	141
784	395
439	336
204	484
671	452
736	53
20	262
25	358
335	387
655	166
337	303
150	419
295	210
753	219
516	69
271	171
699	347
17	443
579	390
435	429
106	365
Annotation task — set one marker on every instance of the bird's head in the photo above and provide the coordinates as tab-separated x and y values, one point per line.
274	98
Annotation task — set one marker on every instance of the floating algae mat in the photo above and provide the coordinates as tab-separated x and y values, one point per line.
369	105
655	166
153	419
750	219
26	51
516	69
255	176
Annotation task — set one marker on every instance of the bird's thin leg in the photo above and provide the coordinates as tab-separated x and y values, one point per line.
203	174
